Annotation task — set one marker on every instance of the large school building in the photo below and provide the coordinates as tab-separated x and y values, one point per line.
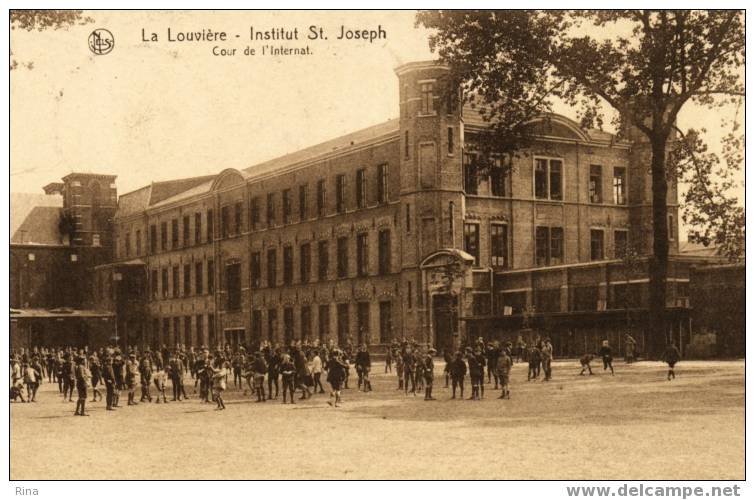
397	231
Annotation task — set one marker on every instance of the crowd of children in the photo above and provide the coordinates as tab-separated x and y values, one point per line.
297	367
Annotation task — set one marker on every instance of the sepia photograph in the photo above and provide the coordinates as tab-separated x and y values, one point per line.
378	245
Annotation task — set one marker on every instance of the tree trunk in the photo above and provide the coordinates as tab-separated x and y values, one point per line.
659	260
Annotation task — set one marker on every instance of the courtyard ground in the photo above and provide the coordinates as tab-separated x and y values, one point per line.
635	425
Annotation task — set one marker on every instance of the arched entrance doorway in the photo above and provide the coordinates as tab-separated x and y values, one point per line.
444	275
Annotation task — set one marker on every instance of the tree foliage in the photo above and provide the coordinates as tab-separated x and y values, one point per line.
40	20
646	65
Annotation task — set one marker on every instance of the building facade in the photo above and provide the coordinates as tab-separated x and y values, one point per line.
401	230
54	254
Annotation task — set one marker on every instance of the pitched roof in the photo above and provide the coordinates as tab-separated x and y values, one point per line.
155	193
339	144
40	227
21	205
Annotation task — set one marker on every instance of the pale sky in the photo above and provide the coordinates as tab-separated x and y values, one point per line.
151	111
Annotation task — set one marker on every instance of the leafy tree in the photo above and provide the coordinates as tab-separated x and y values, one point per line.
40	20
646	65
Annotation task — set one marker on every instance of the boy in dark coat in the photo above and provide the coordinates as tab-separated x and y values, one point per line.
428	368
607	354
671	356
458	370
288	371
533	357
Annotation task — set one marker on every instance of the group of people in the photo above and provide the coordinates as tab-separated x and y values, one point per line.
268	370
300	366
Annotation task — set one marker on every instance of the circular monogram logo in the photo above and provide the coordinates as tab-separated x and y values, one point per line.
101	42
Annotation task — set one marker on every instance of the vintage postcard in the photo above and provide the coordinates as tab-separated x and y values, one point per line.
377	245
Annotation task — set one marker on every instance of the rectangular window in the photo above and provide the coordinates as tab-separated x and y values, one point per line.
270	209
233	286
323	260
186	340
596	184
210	225
211	340
254	212
255	270
305	262
426	99
256	326
548	179
127	244
306	322
303	202
288	325
187	280
225	221
288	265
323	320
499	177
153	239
541	178
450	140
408	218
197	228
382	180
596	244
163	236
670	228
340	193
200	328
198	276
386	322
154	284
384	251
272	324
164	285
549	245
138	243
620	243
286	199
470	173
362	254
176	330
363	322
210	277
343	323
499	247
619	185
166	331
361	188
238	223
343	257
555	179
557	246
320	197
272	268
406	144
409	296
472	241
174	233
186	230
175	281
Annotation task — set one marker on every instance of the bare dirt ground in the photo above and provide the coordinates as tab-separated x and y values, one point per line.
635	425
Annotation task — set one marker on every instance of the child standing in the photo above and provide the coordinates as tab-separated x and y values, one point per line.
219	380
288	371
671	356
607	354
458	370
